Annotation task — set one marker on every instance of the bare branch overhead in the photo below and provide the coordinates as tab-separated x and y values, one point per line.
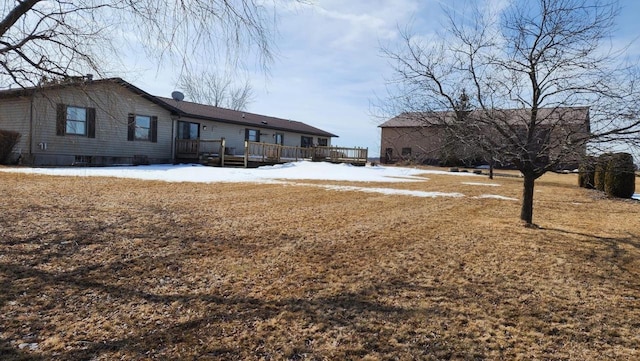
523	71
52	39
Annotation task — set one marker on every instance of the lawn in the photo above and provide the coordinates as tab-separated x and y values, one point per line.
96	268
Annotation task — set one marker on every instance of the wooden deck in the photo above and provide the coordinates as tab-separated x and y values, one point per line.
214	152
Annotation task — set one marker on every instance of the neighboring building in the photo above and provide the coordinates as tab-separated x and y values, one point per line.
421	137
110	121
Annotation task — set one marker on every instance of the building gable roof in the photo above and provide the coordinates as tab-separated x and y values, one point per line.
568	115
209	112
189	109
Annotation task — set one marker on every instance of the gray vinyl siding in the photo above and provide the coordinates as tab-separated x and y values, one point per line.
234	134
35	117
14	116
112	103
294	139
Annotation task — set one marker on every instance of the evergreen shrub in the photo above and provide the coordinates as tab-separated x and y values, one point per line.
620	179
587	173
600	171
8	140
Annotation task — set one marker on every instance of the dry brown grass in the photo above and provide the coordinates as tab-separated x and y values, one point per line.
106	269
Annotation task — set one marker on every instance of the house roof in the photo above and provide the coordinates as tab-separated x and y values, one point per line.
209	112
189	109
568	115
83	82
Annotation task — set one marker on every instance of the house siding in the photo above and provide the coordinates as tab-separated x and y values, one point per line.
14	116
234	134
35	113
112	104
426	144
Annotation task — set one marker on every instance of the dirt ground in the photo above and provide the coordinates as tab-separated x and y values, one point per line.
113	269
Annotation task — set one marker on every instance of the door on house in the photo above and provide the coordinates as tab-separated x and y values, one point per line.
388	155
188	130
279	138
187	139
306	142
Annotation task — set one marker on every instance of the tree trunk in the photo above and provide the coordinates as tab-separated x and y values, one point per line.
526	213
491	170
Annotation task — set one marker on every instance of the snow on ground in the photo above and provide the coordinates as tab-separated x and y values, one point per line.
481	184
268	174
204	174
388	191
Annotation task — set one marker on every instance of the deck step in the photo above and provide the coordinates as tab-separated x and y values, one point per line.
233	161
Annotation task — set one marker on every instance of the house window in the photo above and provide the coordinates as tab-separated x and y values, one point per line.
252	135
83	160
323	142
72	120
76	121
306	142
279	138
188	130
406	152
142	128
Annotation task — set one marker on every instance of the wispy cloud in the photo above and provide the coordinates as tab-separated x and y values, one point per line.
329	67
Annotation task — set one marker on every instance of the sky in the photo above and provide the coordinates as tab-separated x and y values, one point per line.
329	71
291	174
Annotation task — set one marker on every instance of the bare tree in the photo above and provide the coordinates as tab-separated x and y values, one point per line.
529	72
217	90
57	38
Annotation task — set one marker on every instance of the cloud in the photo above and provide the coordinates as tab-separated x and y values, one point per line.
350	25
329	66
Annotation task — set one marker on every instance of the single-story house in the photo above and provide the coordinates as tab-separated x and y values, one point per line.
110	121
425	138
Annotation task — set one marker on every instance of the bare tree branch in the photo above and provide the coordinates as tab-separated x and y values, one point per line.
218	90
526	76
57	38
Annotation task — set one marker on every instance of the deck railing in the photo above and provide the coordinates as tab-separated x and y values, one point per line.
268	152
193	148
275	152
338	154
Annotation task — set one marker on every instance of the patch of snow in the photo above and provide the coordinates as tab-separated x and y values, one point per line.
482	184
30	346
266	174
636	196
391	191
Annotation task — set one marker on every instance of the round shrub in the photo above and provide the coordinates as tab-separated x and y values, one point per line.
600	171
620	179
587	173
8	140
